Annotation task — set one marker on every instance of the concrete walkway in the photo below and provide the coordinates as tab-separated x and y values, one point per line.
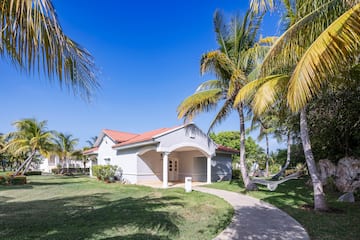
255	219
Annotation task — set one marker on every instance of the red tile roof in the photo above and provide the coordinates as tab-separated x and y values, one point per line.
119	136
143	137
91	150
227	149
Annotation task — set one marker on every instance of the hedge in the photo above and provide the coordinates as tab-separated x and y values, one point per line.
105	172
13	180
17	180
3	180
31	173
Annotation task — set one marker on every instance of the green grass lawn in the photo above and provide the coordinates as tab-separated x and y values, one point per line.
342	223
52	207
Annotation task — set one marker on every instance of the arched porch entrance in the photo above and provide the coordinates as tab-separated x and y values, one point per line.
176	163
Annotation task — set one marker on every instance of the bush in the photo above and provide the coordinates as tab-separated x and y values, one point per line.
17	180
236	174
31	173
274	168
55	170
105	173
3	180
95	171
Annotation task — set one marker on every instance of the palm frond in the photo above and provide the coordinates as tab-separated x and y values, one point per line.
33	39
288	48
208	85
199	102
261	5
337	46
221	115
268	93
216	62
221	31
247	92
268	41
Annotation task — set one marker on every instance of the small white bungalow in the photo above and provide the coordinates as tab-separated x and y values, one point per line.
163	155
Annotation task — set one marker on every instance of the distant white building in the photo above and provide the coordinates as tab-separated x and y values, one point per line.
163	155
47	164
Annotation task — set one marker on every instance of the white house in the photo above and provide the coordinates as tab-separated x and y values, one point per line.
163	155
47	164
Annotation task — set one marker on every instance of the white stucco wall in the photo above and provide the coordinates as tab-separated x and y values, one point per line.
190	167
189	136
126	159
149	167
106	151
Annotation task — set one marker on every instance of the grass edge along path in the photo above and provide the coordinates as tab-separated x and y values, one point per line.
52	207
295	198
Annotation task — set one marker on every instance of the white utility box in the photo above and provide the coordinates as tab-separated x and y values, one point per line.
188	182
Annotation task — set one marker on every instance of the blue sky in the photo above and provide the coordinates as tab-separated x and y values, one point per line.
148	53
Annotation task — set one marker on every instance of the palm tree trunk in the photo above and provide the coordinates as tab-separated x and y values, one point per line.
29	159
84	162
248	184
27	167
319	196
288	158
267	155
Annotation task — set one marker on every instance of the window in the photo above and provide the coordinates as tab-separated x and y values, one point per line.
107	161
170	165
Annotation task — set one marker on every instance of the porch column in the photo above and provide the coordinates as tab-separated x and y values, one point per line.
165	169
208	175
90	167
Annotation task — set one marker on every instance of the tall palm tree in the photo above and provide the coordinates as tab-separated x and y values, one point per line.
91	141
31	138
233	64
65	147
331	44
31	36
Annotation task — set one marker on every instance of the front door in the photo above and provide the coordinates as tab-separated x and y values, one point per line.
173	169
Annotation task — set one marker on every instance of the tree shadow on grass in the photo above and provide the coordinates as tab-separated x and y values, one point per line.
88	216
139	236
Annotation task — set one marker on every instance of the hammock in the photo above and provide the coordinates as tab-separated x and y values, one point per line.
272	185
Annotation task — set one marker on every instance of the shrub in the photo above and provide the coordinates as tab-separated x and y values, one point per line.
17	180
31	173
3	180
95	171
274	168
236	174
105	173
55	170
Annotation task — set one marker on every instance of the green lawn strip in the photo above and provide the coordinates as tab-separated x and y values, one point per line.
342	223
52	207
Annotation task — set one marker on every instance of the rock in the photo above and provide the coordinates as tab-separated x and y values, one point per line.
327	169
348	174
347	197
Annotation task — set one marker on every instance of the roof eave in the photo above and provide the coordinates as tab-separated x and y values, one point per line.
133	145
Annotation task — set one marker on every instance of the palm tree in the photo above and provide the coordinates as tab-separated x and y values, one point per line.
65	147
91	141
32	38
233	64
31	138
332	30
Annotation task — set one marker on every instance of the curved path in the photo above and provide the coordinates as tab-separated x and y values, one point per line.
255	219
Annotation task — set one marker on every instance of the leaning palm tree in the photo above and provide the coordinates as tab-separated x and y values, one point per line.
31	138
331	44
64	147
233	64
31	36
